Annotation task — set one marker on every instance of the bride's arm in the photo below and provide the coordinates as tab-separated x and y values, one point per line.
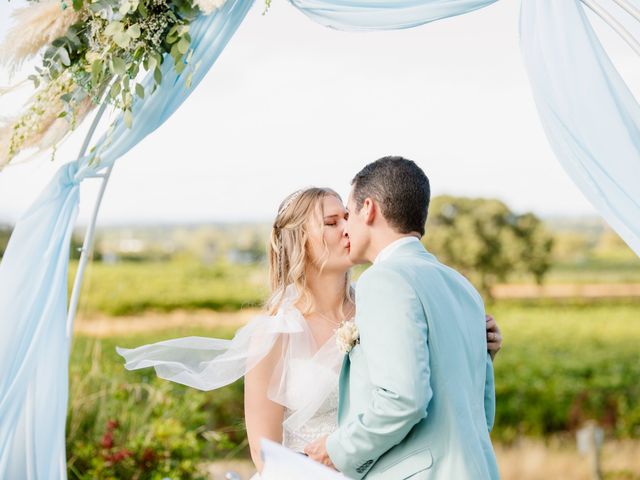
263	417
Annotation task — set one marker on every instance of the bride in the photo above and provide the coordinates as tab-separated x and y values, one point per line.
288	355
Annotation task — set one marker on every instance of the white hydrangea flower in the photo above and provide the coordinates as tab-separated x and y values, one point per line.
209	6
347	336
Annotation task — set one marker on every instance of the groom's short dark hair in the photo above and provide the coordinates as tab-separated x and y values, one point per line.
400	188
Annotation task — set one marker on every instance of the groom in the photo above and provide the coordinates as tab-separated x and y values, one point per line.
416	393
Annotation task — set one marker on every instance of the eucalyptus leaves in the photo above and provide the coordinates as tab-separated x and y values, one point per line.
120	44
93	49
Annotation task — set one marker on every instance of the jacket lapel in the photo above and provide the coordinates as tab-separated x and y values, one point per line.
343	389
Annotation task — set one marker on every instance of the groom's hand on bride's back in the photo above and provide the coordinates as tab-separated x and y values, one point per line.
494	336
318	451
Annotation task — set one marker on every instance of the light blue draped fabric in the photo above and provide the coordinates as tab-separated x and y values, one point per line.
33	272
33	346
591	118
383	14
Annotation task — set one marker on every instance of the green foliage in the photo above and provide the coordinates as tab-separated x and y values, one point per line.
486	241
135	286
5	234
564	363
595	270
109	48
611	246
125	424
132	287
113	49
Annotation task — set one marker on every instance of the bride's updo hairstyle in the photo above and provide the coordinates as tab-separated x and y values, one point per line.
288	250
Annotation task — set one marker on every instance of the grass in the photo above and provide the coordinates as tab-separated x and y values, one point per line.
566	362
125	424
597	270
562	363
133	287
130	288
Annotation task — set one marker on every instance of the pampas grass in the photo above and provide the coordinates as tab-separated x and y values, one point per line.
35	26
41	127
60	127
98	53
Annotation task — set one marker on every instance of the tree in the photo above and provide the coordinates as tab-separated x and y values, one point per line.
486	241
5	234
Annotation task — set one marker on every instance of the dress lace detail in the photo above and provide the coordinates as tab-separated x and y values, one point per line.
324	422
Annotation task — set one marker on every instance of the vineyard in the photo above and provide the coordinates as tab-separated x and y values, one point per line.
562	364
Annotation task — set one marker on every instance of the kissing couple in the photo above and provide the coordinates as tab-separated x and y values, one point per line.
389	379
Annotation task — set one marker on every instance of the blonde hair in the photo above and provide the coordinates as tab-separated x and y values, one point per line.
288	251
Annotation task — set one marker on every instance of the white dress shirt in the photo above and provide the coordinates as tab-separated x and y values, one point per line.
389	249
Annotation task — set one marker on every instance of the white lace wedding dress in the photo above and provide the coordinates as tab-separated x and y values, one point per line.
305	380
323	422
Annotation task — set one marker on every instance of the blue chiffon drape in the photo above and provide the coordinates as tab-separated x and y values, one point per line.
33	272
590	116
383	14
588	113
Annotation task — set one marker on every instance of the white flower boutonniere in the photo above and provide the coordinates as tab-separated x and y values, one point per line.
347	336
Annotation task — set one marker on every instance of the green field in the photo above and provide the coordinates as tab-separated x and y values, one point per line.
562	363
596	271
125	424
129	288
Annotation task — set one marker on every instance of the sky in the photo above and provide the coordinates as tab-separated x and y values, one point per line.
291	104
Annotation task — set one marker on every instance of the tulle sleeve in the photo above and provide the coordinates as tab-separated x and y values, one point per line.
209	363
304	377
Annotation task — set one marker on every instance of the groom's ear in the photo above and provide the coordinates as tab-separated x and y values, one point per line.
369	210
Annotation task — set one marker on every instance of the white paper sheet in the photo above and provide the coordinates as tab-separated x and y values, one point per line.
280	463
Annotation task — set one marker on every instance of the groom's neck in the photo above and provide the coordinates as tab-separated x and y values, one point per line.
382	239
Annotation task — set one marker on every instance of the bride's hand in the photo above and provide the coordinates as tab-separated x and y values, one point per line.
494	336
318	451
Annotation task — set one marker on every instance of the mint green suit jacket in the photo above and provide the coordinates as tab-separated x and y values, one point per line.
417	396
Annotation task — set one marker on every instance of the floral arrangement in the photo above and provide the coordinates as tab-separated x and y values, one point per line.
92	51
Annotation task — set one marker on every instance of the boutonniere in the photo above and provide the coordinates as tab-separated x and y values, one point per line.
347	336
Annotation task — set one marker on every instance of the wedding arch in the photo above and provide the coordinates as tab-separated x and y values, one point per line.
590	116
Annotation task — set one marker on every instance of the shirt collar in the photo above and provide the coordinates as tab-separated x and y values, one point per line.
393	246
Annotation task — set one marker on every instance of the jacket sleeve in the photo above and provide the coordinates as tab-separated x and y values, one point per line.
393	339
